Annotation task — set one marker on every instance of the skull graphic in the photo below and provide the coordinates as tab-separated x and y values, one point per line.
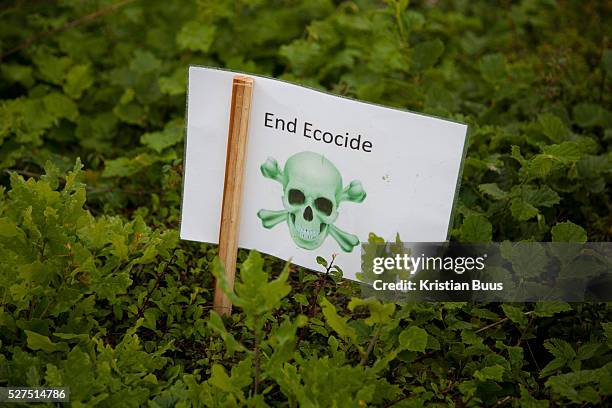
312	193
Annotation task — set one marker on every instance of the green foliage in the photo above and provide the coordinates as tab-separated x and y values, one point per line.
98	294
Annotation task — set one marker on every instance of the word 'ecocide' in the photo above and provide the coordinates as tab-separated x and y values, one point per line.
311	132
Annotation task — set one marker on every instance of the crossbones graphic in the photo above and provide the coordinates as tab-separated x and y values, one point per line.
312	192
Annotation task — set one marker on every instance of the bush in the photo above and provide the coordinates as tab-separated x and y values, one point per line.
97	293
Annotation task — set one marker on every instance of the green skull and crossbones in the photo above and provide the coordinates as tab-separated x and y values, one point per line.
312	192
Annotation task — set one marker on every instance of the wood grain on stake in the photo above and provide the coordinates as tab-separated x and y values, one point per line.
242	90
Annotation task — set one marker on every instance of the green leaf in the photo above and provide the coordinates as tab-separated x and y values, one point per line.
150	319
255	294
216	324
196	36
9	228
301	299
588	350
39	342
303	55
564	152
95	233
144	62
548	309
78	80
568	232
562	351
542	196
413	20
125	167
339	324
515	153
176	84
321	261
53	376
129	110
493	190
219	378
493	68
588	115
110	286
553	127
591	166
476	228
527	401
18	73
576	386
171	135
515	314
60	106
494	372
529	260
541	165
413	339
52	69
522	210
283	341
425	54
236	382
120	249
380	313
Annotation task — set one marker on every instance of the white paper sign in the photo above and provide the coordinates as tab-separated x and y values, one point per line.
322	171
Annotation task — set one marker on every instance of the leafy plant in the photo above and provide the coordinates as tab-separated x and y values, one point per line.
97	293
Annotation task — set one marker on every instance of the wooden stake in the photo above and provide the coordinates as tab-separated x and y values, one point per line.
242	90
